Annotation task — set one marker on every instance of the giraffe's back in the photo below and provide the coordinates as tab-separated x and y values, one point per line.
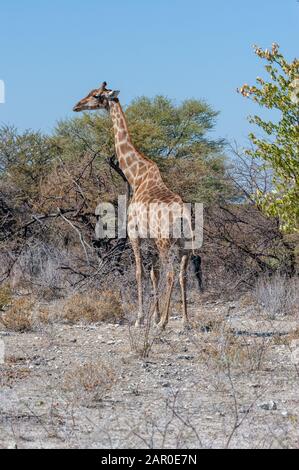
155	192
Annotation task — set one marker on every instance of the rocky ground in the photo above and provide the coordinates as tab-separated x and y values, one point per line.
230	382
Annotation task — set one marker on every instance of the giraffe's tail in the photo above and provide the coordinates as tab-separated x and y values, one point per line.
196	261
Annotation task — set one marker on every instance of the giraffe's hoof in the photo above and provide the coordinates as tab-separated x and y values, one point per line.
161	325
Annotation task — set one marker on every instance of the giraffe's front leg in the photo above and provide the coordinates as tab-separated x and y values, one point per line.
136	249
165	315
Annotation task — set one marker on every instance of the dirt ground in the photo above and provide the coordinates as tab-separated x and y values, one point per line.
230	382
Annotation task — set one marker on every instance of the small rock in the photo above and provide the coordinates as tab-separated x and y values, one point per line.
269	406
145	365
244	410
166	385
186	357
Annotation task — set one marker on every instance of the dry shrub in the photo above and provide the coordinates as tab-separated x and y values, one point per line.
44	316
277	295
207	320
246	354
91	380
91	308
9	375
18	317
237	352
289	339
143	339
5	296
37	269
294	335
247	300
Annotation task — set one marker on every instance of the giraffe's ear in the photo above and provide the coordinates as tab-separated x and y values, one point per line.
113	94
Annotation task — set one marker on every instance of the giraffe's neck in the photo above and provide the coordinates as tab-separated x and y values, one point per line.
134	165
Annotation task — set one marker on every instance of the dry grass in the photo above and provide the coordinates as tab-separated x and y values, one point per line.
208	320
5	297
90	381
246	300
277	295
9	375
294	335
19	317
44	316
240	353
93	309
245	354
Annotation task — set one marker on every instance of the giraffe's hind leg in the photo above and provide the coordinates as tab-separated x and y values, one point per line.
166	258
138	260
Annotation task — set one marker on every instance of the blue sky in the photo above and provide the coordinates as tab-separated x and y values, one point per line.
53	52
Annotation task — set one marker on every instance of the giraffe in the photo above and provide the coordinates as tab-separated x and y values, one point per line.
148	188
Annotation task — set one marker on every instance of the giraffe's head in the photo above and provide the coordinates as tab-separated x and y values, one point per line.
97	99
